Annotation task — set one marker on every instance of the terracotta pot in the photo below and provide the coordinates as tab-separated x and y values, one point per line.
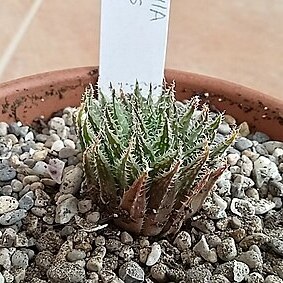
41	95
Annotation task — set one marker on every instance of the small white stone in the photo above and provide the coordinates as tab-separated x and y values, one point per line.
3	129
2	279
262	206
233	158
202	249
67	208
7	204
57	145
183	241
240	271
29	136
264	170
69	143
57	123
40	155
154	254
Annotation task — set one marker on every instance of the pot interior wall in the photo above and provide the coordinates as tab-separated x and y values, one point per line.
41	95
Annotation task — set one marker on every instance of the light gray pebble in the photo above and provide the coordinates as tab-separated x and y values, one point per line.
199	274
276	188
8	237
100	251
276	245
3	129
57	146
75	255
131	272
273	279
254	239
207	226
93	217
29	136
20	259
51	139
213	240
183	241
66	272
233	158
100	241
251	154
12	138
7	190
107	276
21	240
19	275
56	123
234	270
67	208
127	253
55	169
227	250
262	206
154	254
12	217
278	154
69	143
8	203
16	185
224	129
7	173
113	245
260	137
252	258
202	249
246	166
2	279
243	143
41	137
30	179
39	211
67	152
277	201
42	199
260	149
72	181
41	169
27	201
126	238
253	193
84	205
159	272
5	259
9	278
40	155
254	277
272	145
242	207
94	264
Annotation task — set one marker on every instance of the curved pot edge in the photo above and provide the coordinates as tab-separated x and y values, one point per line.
29	97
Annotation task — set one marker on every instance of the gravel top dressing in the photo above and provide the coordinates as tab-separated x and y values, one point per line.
51	232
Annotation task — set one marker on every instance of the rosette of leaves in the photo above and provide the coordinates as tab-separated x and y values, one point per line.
149	163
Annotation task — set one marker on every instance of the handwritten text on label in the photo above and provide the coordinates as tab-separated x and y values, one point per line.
157	9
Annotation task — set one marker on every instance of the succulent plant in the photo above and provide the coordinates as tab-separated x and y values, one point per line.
150	164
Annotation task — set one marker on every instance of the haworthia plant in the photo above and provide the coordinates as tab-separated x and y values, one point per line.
151	164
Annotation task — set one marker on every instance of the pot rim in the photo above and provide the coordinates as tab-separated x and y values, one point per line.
23	95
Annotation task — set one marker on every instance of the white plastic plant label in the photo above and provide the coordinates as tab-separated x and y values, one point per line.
133	43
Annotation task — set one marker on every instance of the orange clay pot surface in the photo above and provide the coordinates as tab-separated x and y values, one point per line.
39	95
